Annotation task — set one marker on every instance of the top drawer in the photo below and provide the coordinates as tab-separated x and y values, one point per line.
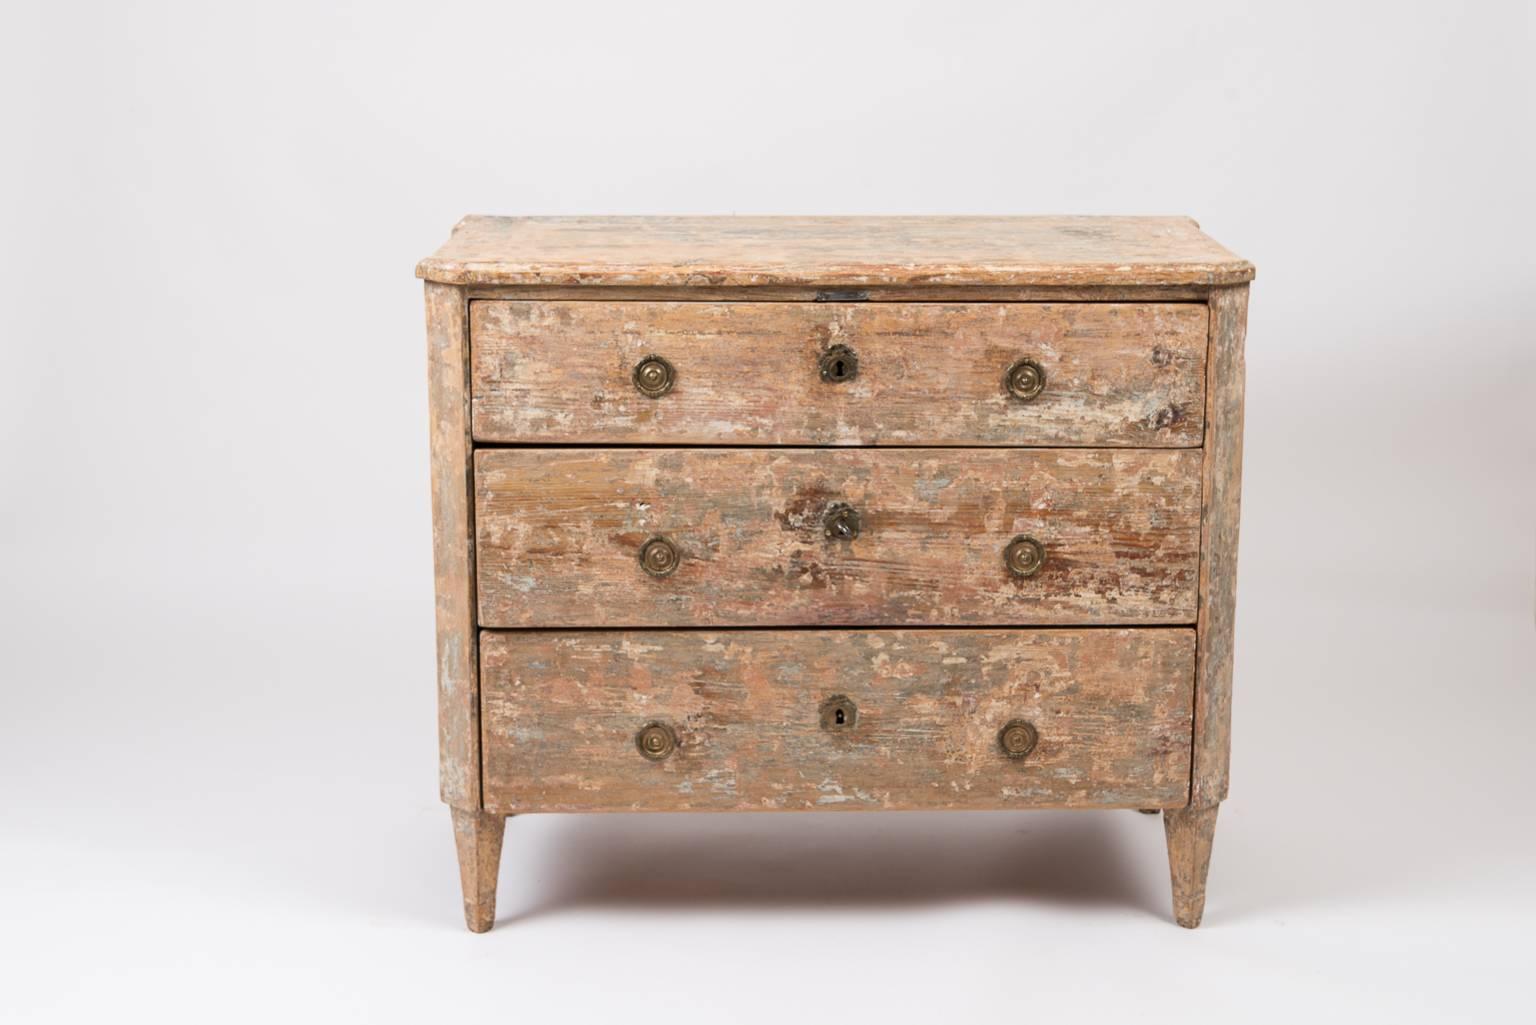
1114	374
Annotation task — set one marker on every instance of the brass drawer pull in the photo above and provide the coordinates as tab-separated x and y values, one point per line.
841	522
839	713
656	740
1025	380
1024	556
654	377
659	557
839	364
1017	739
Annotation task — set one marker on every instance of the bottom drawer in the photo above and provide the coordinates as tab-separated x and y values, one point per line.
804	719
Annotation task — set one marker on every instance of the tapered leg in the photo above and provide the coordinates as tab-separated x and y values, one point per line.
1190	831
478	837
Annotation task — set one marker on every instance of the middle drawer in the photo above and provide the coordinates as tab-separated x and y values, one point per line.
785	537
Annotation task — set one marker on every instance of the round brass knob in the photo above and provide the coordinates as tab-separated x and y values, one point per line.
838	364
656	740
654	377
658	557
1026	379
1024	556
841	523
1017	739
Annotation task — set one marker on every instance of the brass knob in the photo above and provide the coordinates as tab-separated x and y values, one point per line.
1026	379
839	713
1017	739
654	377
1024	556
841	523
656	740
658	557
839	364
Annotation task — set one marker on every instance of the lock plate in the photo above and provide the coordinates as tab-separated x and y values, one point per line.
839	713
841	523
839	364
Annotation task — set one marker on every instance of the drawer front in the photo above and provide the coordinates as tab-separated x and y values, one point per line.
1114	374
757	543
747	720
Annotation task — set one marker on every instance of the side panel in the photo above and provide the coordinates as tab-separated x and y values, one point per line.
1221	491
453	552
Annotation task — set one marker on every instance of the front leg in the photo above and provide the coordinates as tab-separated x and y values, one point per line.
1190	832
477	834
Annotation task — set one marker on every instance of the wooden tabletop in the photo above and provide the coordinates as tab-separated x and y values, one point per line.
832	251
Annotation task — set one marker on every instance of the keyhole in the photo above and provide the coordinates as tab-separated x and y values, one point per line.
840	717
839	364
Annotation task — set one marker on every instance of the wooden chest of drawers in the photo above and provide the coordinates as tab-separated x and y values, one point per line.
739	514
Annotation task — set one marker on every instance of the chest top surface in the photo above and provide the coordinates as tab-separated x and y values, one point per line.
837	251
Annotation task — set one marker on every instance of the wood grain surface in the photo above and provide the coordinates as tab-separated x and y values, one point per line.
477	837
453	552
1190	832
1221	498
928	374
560	531
562	709
832	251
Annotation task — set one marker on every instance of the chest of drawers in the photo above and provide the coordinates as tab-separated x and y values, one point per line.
738	514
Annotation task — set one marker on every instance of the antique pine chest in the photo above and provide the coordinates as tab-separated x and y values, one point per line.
754	513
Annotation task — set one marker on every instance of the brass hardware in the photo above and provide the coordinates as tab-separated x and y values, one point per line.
1025	380
658	557
656	740
1017	739
839	713
1024	556
841	522
842	295
654	377
839	364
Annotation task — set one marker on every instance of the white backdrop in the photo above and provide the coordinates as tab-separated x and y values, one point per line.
217	749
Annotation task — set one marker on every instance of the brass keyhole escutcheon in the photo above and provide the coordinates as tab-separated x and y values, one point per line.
654	377
1018	738
839	713
656	740
658	557
1025	380
838	364
1024	556
841	523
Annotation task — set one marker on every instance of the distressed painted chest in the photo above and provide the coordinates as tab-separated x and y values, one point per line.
757	514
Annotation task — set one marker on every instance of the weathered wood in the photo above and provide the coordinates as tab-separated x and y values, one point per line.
1190	832
453	556
1221	491
876	293
1139	525
832	251
560	531
930	374
477	836
562	710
